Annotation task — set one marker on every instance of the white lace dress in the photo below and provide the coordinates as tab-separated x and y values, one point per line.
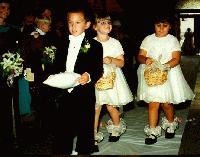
120	94
175	90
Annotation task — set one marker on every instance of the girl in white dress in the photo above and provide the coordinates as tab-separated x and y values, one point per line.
120	94
165	49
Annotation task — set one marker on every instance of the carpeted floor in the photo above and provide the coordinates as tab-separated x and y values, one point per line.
35	142
132	141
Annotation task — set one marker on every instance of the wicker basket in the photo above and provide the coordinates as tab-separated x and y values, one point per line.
107	82
155	76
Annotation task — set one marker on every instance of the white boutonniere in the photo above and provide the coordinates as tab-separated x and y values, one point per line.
11	66
86	47
49	53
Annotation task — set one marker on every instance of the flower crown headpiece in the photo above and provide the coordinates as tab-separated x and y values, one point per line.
45	20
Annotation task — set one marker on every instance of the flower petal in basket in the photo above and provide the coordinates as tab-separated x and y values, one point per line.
63	80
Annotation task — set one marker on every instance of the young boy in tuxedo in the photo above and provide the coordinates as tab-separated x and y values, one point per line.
81	54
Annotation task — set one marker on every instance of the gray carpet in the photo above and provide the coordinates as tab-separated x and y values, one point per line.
132	141
186	141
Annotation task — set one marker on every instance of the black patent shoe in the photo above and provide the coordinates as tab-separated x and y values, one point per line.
113	138
151	139
169	135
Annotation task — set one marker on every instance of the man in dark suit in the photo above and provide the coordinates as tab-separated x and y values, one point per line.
81	54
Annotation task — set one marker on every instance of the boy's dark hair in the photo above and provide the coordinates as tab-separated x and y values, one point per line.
80	6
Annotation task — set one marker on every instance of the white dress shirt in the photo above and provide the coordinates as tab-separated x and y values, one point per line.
73	50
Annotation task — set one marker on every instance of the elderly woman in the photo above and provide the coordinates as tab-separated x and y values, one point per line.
37	66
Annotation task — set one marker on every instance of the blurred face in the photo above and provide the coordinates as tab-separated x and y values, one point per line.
4	10
47	13
77	23
45	27
29	20
162	29
103	26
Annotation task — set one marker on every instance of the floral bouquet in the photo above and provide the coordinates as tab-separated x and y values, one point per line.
11	66
49	53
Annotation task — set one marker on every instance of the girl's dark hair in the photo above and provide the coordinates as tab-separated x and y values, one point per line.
162	18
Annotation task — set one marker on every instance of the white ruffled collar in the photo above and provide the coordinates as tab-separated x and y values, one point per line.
39	31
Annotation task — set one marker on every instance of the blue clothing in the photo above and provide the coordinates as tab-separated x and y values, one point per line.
24	97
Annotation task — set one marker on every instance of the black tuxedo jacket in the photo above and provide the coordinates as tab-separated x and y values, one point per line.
90	61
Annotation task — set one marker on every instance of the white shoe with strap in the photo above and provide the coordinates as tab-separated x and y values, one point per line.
99	137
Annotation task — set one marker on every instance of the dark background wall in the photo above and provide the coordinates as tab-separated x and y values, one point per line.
136	16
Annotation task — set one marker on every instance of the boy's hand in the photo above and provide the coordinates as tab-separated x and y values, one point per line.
84	78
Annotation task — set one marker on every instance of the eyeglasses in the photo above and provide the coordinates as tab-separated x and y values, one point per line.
105	22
